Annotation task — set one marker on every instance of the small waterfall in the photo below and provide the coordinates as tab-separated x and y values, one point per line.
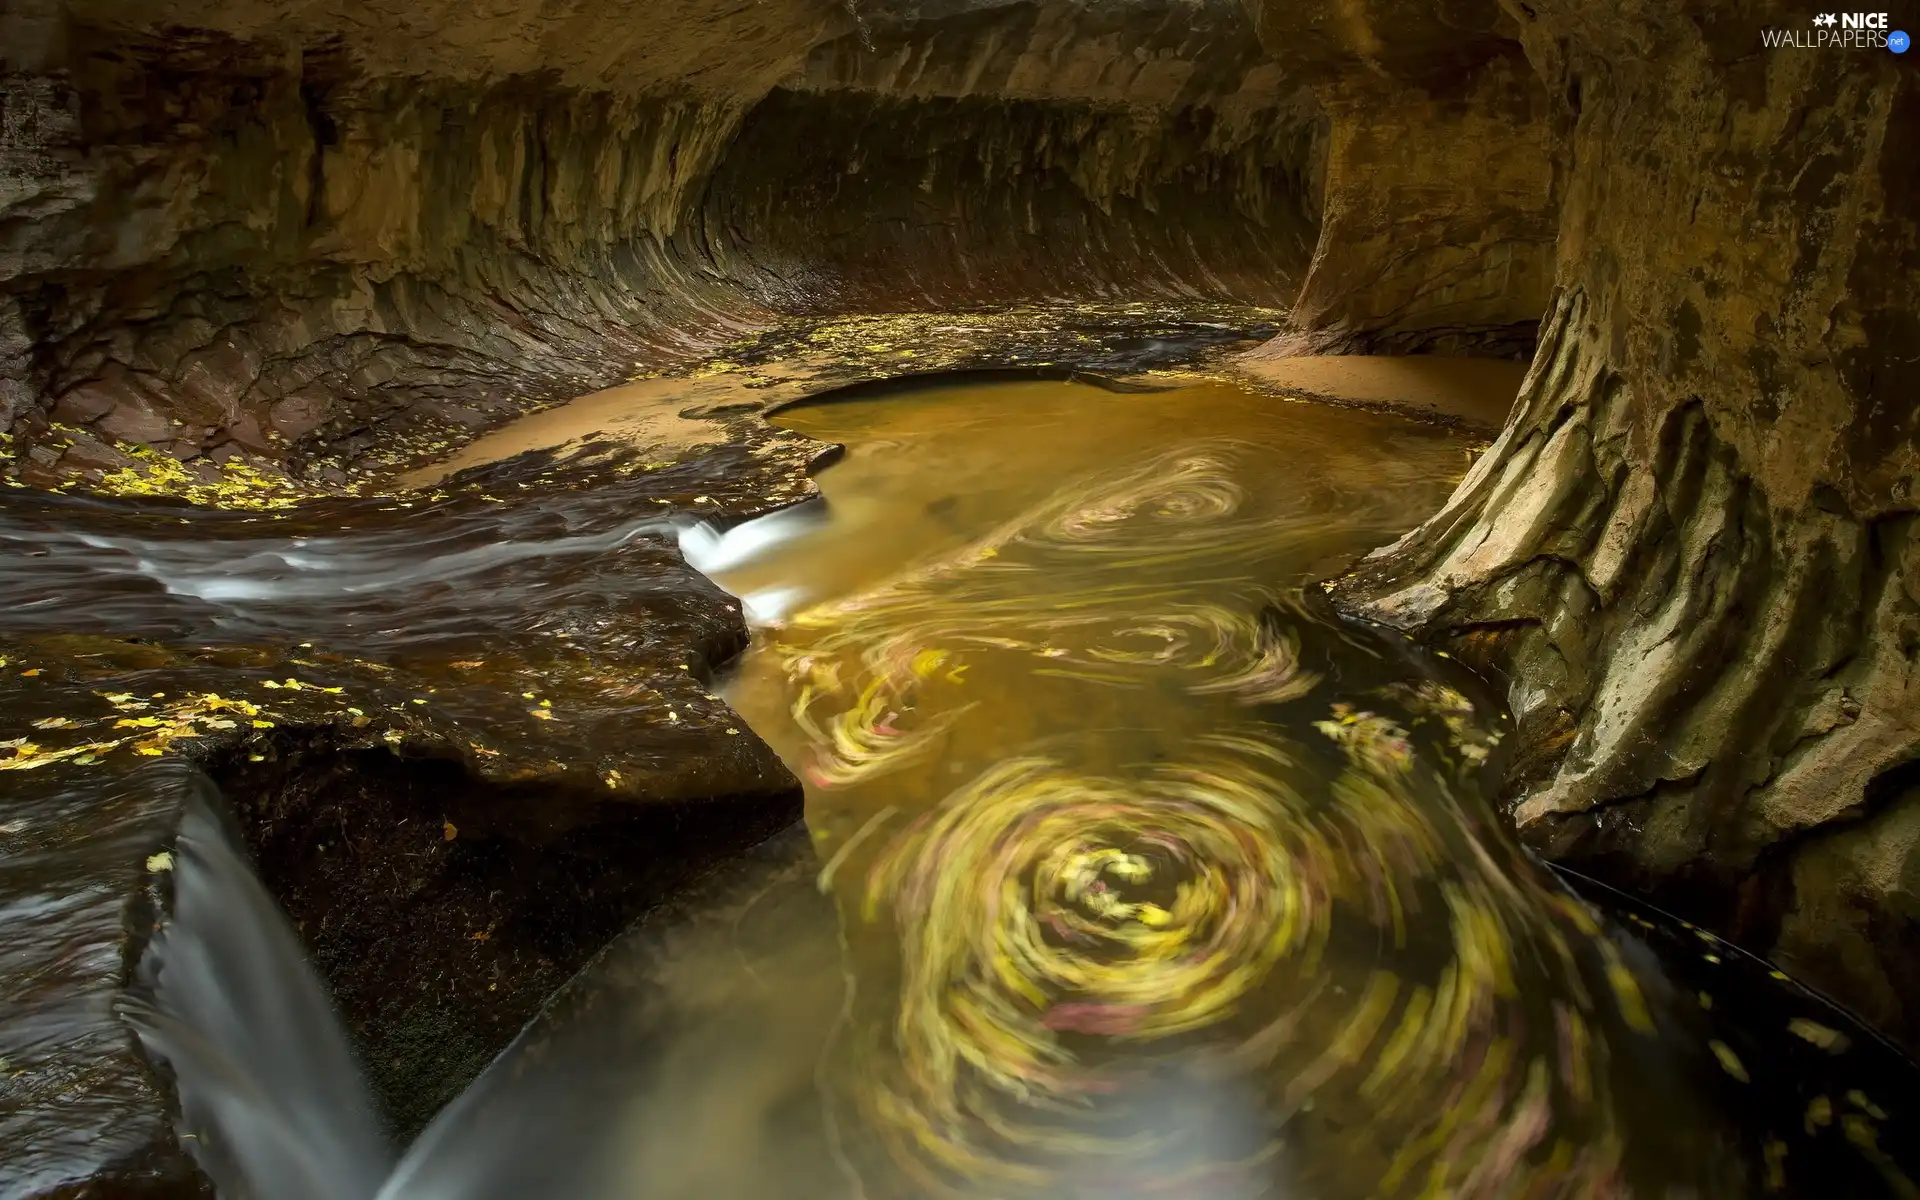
714	552
680	1063
273	1105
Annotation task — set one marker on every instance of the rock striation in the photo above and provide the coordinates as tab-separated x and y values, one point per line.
1692	549
302	230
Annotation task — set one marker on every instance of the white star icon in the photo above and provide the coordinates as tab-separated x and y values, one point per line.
1825	19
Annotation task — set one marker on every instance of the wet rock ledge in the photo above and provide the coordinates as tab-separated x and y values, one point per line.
467	744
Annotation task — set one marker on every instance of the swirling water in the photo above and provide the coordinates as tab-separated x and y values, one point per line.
1157	879
1129	869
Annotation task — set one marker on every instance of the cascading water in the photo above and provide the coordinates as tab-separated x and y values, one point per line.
269	1091
693	1035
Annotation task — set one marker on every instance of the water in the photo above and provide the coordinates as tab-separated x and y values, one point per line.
1129	870
681	1064
230	1003
1156	879
1147	876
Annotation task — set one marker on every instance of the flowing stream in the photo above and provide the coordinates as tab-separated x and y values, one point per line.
1128	870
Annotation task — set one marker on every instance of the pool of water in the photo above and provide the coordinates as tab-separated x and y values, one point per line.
1157	879
1154	877
1129	869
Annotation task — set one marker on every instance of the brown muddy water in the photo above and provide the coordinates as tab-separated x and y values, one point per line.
1128	868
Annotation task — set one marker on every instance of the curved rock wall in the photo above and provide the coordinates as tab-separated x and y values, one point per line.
1439	217
1441	170
1692	549
319	226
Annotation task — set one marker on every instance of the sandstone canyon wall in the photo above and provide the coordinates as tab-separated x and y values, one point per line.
295	228
1691	551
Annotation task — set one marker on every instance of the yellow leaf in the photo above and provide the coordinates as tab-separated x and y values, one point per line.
926	662
1729	1061
1820	1035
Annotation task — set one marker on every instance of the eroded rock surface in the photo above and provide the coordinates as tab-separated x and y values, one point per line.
288	231
1691	550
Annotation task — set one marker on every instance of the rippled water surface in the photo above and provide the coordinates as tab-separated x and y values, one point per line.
1129	870
1156	880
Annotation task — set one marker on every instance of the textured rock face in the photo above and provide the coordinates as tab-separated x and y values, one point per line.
1438	220
1439	172
300	225
1692	548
